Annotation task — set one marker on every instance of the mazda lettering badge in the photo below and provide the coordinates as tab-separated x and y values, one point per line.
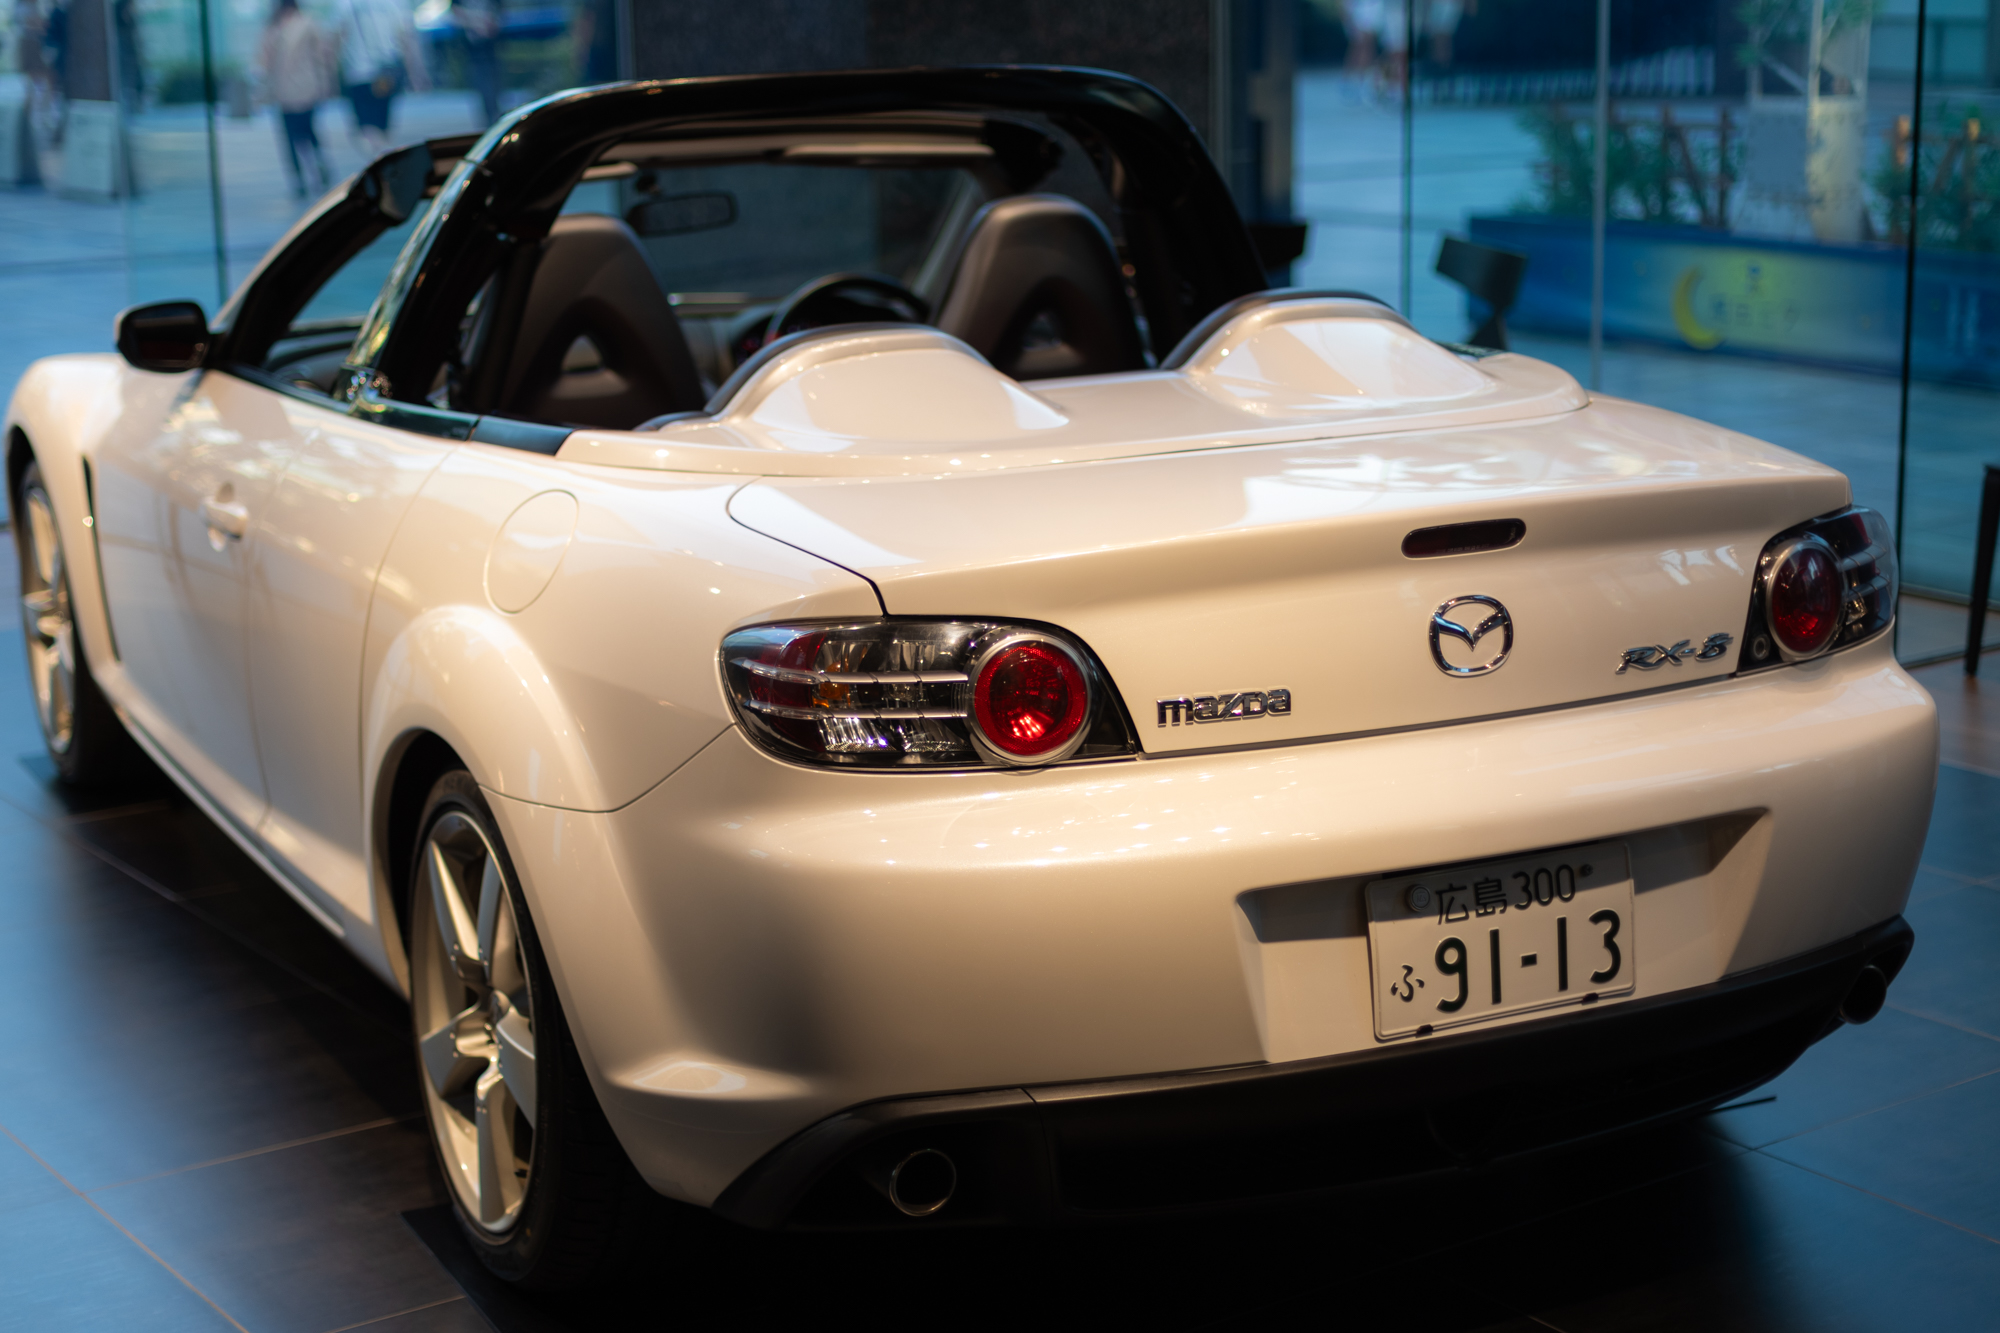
1473	631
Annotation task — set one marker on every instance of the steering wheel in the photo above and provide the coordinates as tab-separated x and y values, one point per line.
846	298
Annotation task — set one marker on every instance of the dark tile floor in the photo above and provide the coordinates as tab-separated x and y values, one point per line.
207	1122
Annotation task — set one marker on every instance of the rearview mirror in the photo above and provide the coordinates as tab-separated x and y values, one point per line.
678	214
168	336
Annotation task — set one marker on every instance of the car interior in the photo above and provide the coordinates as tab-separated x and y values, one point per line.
676	259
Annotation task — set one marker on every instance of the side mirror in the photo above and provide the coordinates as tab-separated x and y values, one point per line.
170	336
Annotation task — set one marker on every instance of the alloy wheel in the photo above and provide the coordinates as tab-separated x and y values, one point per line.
50	627
475	1021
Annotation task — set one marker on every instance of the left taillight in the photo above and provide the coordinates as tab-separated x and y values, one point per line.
1821	587
931	693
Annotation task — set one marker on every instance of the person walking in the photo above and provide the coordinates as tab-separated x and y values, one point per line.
378	59
478	24
295	60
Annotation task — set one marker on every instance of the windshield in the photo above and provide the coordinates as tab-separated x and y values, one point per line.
759	229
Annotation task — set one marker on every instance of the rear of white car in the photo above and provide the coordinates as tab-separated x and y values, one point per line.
1433	797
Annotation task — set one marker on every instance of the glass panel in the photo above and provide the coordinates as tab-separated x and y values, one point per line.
1750	275
172	249
1347	149
1955	336
67	90
1754	256
155	149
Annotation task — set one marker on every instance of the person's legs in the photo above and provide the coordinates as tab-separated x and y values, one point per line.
1394	37
1364	18
371	116
289	128
1441	21
308	147
482	61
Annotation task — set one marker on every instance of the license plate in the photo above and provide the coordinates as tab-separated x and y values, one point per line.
1469	943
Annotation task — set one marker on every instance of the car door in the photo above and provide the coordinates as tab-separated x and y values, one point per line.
312	552
329	523
173	512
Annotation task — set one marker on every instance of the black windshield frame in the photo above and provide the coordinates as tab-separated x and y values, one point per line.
1188	246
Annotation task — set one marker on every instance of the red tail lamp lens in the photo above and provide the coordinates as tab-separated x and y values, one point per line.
1030	700
1805	599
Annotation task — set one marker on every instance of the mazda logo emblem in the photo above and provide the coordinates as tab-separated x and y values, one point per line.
1483	660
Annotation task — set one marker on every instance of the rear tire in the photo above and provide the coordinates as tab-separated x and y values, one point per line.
85	740
542	1190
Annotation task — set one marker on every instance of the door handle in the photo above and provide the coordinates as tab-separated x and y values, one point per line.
225	516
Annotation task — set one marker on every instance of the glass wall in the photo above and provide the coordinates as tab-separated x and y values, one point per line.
1760	162
1754	215
155	149
1954	390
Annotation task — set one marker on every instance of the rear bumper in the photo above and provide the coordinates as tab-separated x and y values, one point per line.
1126	1147
753	946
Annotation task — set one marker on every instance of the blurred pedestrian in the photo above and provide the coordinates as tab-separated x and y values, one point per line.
593	41
131	91
31	58
1378	41
55	55
1441	20
478	24
295	60
379	57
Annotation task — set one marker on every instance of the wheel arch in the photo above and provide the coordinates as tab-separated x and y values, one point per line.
414	763
62	409
20	453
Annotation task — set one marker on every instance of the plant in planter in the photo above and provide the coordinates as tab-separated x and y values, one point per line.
1671	170
1958	184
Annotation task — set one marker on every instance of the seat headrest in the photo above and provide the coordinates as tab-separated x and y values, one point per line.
593	283
1039	292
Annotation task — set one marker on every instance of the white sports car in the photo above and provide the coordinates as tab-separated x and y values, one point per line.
860	671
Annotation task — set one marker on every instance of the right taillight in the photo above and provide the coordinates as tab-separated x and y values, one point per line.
1821	586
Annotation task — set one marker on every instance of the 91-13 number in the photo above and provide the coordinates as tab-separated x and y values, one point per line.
1453	959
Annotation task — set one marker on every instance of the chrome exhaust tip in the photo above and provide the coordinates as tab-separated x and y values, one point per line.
920	1184
1865	996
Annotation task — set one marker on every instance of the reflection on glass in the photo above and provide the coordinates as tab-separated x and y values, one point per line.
1758	170
152	156
1955	339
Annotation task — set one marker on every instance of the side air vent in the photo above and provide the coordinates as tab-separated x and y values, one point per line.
1493	534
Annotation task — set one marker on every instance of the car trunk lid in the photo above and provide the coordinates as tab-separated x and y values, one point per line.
1221	574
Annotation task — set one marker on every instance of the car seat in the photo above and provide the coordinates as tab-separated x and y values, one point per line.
598	344
1038	290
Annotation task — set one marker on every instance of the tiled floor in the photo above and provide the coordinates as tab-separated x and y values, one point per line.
206	1122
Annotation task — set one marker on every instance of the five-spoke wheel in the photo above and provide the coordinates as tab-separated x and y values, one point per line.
543	1191
86	741
474	1010
46	618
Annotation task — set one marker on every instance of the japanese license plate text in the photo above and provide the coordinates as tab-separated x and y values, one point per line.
1472	942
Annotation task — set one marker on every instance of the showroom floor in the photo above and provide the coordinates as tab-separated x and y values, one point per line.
207	1121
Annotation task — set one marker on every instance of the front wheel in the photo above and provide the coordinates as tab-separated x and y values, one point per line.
84	738
540	1186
